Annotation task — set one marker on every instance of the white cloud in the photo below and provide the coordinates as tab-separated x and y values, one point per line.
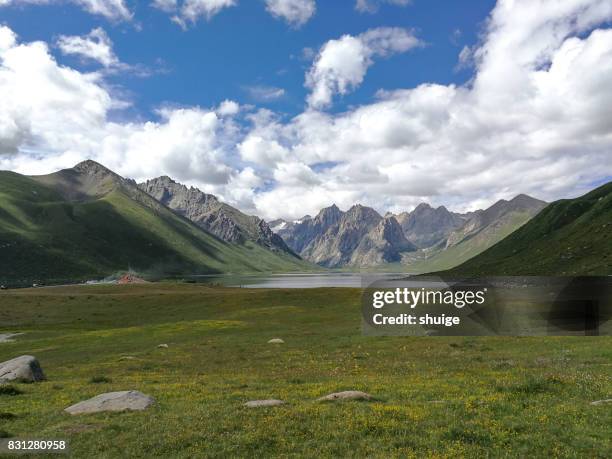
228	108
112	9
115	10
534	118
295	12
188	12
262	93
96	45
371	6
54	116
341	64
165	5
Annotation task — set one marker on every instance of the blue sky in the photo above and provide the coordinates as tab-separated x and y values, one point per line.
281	112
244	46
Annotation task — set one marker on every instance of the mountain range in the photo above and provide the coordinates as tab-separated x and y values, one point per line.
570	237
425	239
358	237
88	222
212	215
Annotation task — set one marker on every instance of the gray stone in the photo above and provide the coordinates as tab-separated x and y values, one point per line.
8	337
602	402
263	403
162	346
24	368
346	395
276	341
130	400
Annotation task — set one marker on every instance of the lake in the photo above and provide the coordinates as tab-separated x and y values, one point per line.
298	280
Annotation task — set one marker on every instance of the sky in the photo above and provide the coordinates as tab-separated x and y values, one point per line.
283	107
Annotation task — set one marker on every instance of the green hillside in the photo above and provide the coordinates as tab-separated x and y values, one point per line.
568	237
71	226
446	258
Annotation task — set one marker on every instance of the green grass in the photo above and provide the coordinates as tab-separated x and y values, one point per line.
436	397
45	238
568	237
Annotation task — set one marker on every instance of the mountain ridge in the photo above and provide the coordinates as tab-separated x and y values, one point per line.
88	222
568	237
213	215
430	236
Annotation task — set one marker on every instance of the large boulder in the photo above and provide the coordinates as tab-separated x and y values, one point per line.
129	400
24	368
346	395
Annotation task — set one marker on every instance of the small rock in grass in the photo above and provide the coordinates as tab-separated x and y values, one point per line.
162	346
130	400
263	403
602	402
346	395
127	357
24	368
276	341
8	337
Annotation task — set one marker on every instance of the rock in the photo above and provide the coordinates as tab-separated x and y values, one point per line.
130	400
24	368
276	341
162	346
602	402
127	357
346	395
263	403
7	337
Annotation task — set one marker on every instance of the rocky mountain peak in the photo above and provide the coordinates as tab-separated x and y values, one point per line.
329	215
216	217
95	170
363	213
422	207
426	226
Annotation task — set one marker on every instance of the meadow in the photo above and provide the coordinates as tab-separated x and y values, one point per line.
434	396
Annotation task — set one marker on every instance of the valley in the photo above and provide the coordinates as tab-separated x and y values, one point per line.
89	223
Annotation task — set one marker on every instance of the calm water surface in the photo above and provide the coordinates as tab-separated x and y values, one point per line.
315	280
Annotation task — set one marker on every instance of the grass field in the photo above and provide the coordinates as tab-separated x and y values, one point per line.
436	397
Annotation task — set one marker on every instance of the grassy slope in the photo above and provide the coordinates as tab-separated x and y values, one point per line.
43	237
443	397
469	247
569	237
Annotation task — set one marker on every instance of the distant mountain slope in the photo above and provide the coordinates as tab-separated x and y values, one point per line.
425	239
483	229
89	222
357	237
569	237
426	226
216	217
